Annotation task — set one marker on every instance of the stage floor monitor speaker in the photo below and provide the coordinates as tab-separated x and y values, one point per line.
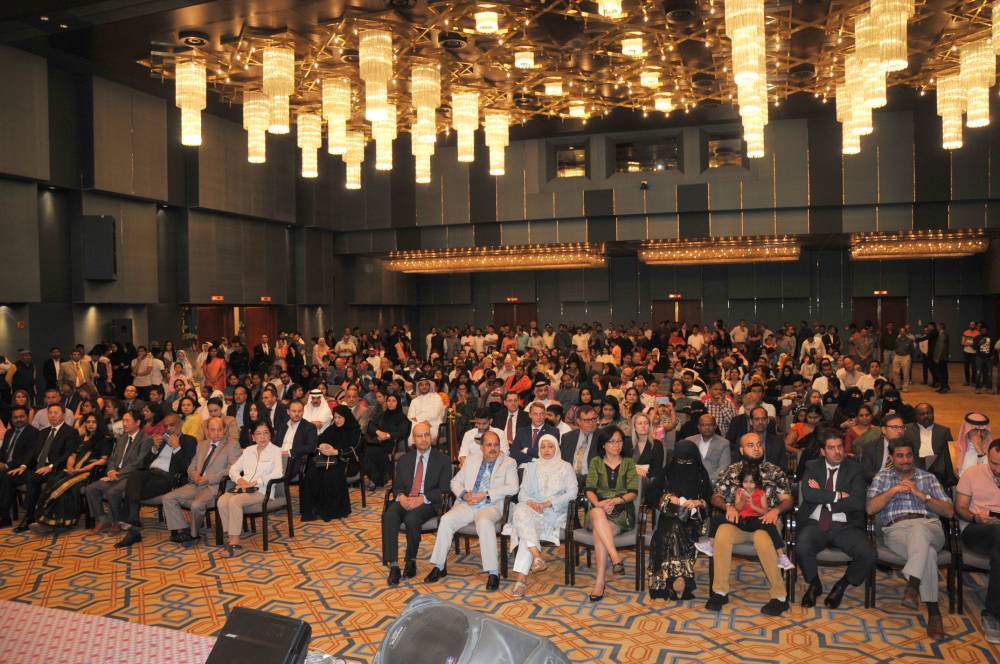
258	637
435	632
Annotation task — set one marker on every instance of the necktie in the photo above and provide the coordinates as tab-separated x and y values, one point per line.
510	427
580	458
121	462
208	459
43	457
534	437
418	478
12	443
825	515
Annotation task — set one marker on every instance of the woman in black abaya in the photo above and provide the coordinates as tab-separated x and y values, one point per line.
337	458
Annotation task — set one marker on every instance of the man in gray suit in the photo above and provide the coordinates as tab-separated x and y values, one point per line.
130	449
209	467
715	454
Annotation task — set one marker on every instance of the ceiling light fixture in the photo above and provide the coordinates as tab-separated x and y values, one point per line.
498	259
918	244
720	250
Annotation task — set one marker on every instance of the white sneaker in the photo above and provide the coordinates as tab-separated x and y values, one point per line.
785	563
706	547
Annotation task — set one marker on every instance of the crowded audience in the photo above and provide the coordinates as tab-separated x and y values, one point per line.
725	433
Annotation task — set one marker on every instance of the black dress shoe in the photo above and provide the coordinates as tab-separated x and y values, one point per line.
307	517
21	527
436	575
836	594
133	536
774	607
492	582
812	593
716	602
394	574
410	571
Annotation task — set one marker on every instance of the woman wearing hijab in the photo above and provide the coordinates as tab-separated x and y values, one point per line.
387	432
548	486
337	459
681	490
584	398
973	442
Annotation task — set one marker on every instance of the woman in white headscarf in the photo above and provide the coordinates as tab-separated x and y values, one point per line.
548	485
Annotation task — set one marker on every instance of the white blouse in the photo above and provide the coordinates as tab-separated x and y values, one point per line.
258	469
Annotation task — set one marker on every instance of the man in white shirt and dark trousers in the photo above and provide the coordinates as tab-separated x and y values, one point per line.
480	490
832	513
298	440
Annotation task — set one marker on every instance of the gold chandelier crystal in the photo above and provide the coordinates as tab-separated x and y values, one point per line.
720	250
384	133
465	119
632	46
190	96
918	244
279	85
336	95
353	158
950	106
255	121
978	73
487	20
310	140
498	259
610	8
497	130
524	58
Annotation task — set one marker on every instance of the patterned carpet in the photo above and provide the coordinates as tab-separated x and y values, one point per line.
330	575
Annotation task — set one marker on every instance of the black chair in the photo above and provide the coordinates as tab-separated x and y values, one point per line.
359	477
579	537
968	561
428	526
279	502
828	557
948	557
468	532
747	552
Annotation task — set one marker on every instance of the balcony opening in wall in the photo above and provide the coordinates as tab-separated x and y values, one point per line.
571	161
657	155
726	151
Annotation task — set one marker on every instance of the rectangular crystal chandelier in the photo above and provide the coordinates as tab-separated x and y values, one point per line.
918	244
720	250
498	259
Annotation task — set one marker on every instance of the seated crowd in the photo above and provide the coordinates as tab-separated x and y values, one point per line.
786	443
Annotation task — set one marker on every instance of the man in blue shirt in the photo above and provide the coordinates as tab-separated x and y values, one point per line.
908	502
480	489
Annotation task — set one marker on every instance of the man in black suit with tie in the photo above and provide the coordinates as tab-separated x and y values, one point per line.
511	418
525	447
263	355
17	456
163	469
579	446
57	442
832	513
423	478
297	439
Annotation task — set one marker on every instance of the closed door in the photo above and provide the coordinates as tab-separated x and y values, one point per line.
515	313
864	310
214	323
676	311
258	321
879	311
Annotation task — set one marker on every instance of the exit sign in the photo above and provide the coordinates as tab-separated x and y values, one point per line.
265	298
880	292
218	298
513	299
674	296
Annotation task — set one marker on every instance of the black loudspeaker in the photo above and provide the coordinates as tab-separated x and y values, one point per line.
258	637
430	630
100	252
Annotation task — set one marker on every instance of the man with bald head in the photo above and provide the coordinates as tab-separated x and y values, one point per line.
715	453
209	466
423	478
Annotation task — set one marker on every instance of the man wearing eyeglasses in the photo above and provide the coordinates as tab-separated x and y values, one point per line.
875	456
577	447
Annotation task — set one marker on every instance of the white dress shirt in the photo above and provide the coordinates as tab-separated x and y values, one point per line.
470	446
926	443
286	442
840	517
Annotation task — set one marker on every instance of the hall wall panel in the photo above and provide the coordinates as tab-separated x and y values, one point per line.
510	195
894	141
825	169
135	249
789	140
861	175
455	187
20	271
428	197
129	141
24	115
970	166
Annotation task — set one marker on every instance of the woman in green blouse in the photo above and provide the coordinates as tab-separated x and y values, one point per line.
612	486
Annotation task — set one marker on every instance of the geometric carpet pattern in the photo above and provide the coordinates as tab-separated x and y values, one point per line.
330	575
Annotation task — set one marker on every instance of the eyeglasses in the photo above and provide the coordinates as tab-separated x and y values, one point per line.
586	419
259	434
894	426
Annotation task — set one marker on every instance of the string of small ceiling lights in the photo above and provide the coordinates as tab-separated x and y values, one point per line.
880	47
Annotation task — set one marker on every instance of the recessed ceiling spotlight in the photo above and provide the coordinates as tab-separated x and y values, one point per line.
43	18
63	26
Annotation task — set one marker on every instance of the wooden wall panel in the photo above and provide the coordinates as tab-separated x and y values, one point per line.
24	115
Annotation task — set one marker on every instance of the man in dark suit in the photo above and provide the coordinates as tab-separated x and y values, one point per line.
163	469
17	457
56	443
511	418
774	446
423	478
832	513
930	444
579	446
52	368
297	439
131	448
525	447
263	355
238	408
276	412
875	455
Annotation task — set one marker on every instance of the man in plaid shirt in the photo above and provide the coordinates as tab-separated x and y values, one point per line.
908	502
719	406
